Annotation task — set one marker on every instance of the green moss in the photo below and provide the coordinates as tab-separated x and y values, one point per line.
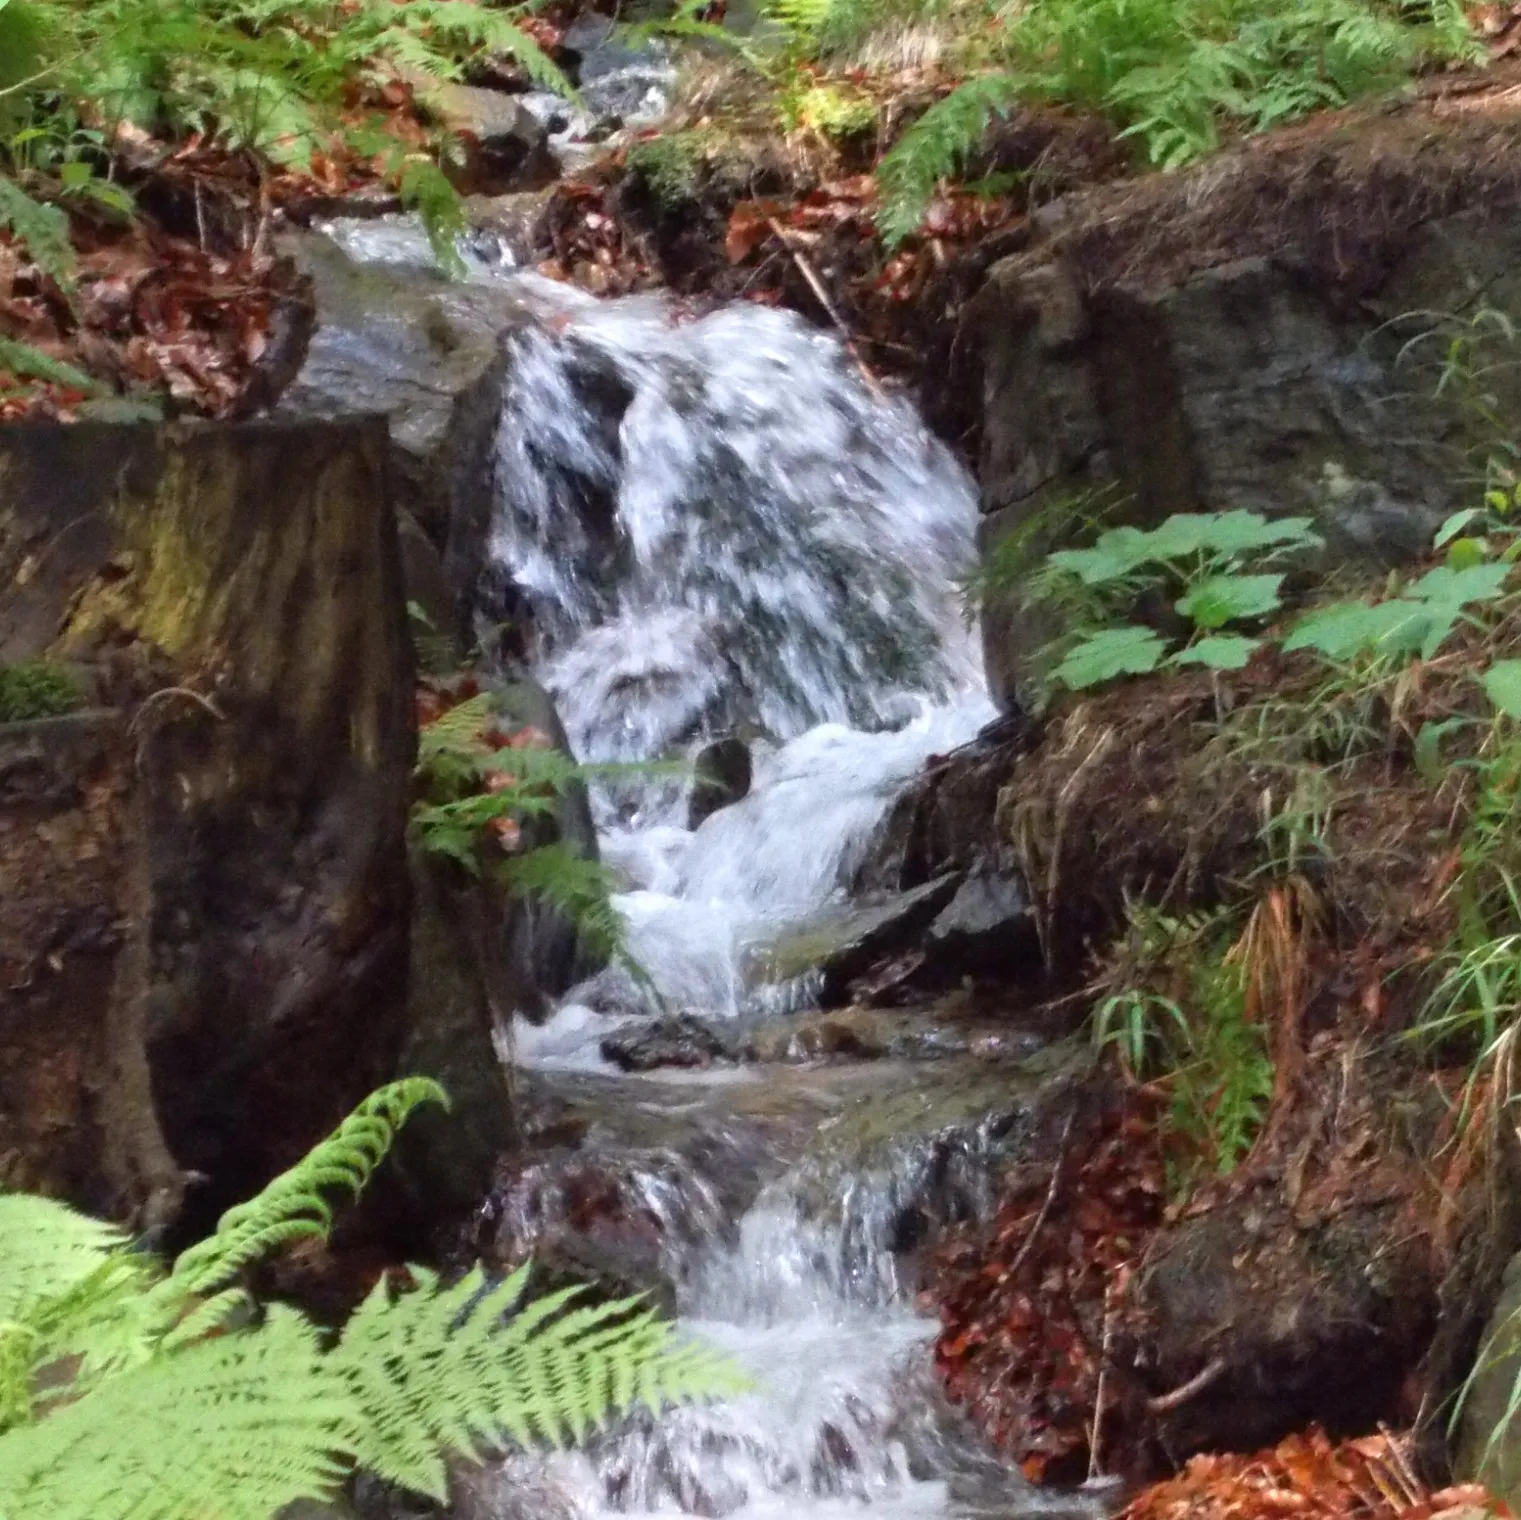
670	166
37	689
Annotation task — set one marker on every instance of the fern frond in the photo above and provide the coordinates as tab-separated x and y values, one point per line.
579	888
440	1368
42	229
47	1250
237	1427
293	1206
935	146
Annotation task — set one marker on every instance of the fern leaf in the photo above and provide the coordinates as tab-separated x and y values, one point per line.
580	888
439	1367
934	146
236	1427
48	1249
293	1205
42	229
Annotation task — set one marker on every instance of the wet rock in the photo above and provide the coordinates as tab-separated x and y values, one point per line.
683	1040
507	144
987	928
518	221
430	355
882	1034
723	771
203	916
1192	354
848	944
543	946
443	1163
619	84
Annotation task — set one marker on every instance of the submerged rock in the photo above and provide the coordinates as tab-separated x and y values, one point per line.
682	1040
722	777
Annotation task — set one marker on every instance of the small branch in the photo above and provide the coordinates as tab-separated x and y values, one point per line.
1165	1403
1096	1435
817	286
1050	1198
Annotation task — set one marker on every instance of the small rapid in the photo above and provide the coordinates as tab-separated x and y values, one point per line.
715	528
711	527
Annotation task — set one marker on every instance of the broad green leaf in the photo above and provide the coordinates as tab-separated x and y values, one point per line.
1454	526
1128	651
1465	552
1116	554
1240	532
1220	651
1220	599
1457	588
1348	629
1428	748
1502	684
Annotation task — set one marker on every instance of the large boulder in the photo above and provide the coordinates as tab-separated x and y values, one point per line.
395	336
1240	335
203	902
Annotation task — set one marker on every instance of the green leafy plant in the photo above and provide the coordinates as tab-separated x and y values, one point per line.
481	786
1178	1017
1478	993
1211	563
37	688
276	77
1172	75
128	1391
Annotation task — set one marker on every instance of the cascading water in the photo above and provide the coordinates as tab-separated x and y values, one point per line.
718	528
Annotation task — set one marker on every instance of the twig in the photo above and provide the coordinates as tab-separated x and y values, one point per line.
1094	1469
816	285
1050	1198
1164	1403
1399	1464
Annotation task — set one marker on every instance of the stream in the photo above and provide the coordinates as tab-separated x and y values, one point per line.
720	529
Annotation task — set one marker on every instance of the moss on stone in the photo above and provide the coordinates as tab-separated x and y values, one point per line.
38	689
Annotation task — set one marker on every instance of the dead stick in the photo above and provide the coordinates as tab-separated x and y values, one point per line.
816	285
1045	1208
1164	1403
1096	1436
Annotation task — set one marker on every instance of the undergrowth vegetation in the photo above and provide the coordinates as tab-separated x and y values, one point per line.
128	1389
282	79
1173	77
1345	746
483	786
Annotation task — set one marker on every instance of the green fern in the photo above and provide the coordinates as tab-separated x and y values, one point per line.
295	1205
1172	75
44	232
126	1395
935	146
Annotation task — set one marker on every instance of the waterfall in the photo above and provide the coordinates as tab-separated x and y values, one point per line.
716	527
713	526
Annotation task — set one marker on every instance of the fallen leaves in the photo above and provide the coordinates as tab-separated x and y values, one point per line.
1307	1475
1027	1303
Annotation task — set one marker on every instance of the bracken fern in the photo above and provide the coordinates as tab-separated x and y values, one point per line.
126	1398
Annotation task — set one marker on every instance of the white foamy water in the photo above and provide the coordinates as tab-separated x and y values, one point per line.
718	529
